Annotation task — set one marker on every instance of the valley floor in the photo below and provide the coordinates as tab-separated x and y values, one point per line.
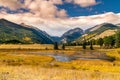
15	64
37	73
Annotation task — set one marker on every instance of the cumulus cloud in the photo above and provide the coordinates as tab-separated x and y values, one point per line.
46	16
83	3
56	1
12	4
45	9
58	26
40	8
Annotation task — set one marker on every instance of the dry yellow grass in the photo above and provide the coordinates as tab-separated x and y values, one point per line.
87	65
26	46
44	47
9	58
37	73
20	66
104	34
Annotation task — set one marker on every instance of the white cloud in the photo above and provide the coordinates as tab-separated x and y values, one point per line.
46	16
45	8
83	3
56	1
40	8
58	26
12	4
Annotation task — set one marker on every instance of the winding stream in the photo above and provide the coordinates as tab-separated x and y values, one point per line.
68	58
62	57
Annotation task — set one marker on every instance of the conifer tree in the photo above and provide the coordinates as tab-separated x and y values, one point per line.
55	46
117	39
91	45
63	46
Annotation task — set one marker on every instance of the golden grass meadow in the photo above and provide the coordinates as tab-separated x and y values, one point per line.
16	63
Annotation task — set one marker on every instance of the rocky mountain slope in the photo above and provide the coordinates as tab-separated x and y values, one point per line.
71	35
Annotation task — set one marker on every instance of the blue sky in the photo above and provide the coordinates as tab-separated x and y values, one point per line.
103	6
57	16
74	10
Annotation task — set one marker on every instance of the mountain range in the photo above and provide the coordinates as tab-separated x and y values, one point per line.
99	31
71	35
11	32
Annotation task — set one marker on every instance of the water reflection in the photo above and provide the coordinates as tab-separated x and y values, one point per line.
61	58
85	55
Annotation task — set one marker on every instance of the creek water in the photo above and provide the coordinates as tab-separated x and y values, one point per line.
69	58
62	57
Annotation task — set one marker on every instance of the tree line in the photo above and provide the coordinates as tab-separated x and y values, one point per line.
106	42
109	41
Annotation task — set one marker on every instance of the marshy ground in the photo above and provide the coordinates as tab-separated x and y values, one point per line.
22	62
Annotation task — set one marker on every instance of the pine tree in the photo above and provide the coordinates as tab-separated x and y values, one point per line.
117	39
91	45
84	45
63	46
112	39
100	42
55	46
109	41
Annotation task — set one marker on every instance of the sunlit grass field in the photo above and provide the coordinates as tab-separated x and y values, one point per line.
15	64
37	73
38	46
